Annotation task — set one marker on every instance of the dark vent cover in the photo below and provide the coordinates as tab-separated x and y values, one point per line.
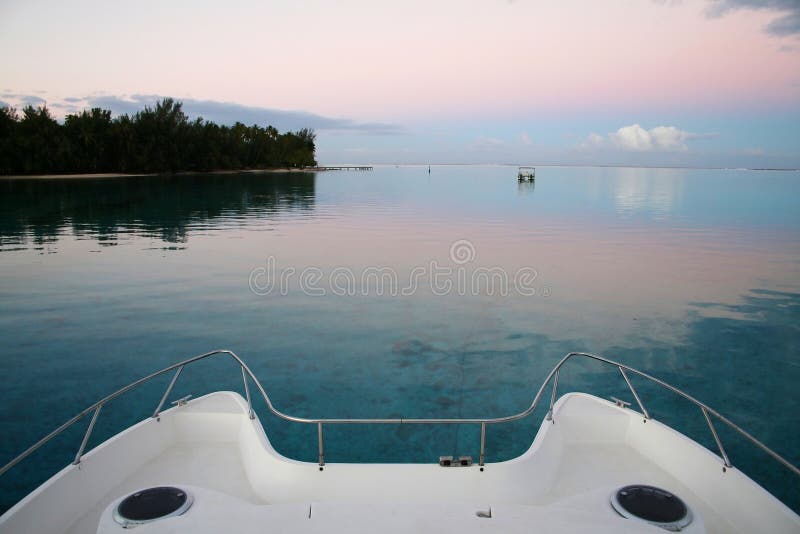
654	505
152	503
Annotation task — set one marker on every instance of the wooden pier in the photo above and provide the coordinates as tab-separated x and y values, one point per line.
343	168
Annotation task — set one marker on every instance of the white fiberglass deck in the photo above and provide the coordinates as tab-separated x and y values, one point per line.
240	484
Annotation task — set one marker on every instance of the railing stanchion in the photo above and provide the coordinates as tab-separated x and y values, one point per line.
553	396
247	393
483	443
86	436
321	448
635	395
168	391
716	437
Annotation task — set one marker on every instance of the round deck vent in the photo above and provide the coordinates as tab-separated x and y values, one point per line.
151	504
652	505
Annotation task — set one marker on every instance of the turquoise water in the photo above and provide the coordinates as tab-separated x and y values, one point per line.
690	275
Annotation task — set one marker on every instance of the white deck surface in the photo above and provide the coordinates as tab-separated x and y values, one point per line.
240	484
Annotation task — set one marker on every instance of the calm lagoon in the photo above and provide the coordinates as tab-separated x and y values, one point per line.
402	298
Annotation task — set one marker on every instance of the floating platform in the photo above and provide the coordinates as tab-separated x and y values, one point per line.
526	174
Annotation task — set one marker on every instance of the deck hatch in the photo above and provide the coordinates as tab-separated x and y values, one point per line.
653	505
151	504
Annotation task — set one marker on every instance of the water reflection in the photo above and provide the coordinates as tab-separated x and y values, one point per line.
653	192
526	188
38	212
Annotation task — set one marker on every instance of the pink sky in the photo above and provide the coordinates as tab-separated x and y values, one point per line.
410	61
390	60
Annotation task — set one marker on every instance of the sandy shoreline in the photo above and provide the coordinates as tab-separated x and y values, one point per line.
127	175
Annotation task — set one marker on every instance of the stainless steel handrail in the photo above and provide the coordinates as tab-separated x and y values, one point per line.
551	377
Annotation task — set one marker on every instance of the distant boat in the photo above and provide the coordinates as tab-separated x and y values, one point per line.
526	174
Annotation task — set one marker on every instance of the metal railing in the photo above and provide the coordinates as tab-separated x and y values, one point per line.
551	377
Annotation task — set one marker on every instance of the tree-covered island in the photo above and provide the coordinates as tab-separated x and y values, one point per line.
160	139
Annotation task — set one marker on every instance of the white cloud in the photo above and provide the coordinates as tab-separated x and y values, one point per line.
525	139
594	140
634	138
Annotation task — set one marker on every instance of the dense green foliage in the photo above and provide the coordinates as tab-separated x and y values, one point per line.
158	139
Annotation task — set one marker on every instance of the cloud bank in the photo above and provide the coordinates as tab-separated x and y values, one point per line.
24	100
219	112
786	23
229	113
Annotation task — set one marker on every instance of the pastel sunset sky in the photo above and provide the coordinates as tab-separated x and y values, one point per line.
630	82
